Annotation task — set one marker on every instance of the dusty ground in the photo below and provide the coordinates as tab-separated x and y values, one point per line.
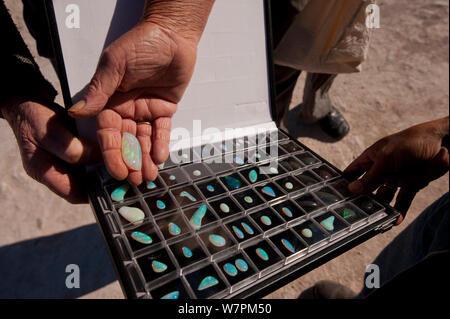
405	81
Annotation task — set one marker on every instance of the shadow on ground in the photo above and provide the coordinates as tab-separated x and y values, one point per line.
36	268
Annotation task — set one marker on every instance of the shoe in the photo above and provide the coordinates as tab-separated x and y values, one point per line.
334	124
328	290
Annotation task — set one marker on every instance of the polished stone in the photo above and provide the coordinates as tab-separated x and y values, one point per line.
241	265
232	182
119	193
262	254
327	198
172	177
287	212
224	208
348	213
207	282
132	214
238	232
230	269
188	195
141	238
158	266
196	219
253	176
210	188
328	223
174	229
247	228
248	199
151	185
266	220
268	191
217	240
307	232
171	295
131	152
160	204
289	185
288	245
187	252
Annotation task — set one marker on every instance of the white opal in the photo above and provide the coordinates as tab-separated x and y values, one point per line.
132	214
131	152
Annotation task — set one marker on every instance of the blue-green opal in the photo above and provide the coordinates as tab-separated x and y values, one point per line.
328	223
151	185
186	252
119	193
196	173
174	229
217	240
253	176
188	195
307	232
247	228
287	212
207	282
239	160
262	254
172	177
238	232
288	245
132	214
230	269
268	191
158	266
248	199
289	185
232	182
196	219
224	208
131	152
210	188
160	204
348	213
141	238
241	265
266	220
171	295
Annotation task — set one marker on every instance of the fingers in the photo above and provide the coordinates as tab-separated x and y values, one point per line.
386	193
370	181
403	202
161	139
143	134
358	166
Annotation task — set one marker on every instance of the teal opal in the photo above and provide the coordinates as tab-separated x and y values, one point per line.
151	185
119	193
261	253
287	212
186	252
171	295
172	177
230	269
238	232
224	208
348	213
257	155
239	160
207	282
266	220
247	228
268	191
174	229
210	188
328	223
131	152
132	214
232	182
196	219
241	265
288	245
141	238
307	232
248	199
188	195
160	204
217	240
158	266
253	176
196	173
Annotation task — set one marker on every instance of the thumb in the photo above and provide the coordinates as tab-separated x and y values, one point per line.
104	83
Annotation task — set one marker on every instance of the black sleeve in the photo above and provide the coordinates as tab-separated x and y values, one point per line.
21	74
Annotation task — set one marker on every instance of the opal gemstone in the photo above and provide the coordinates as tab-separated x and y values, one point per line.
160	204
151	185
247	228
248	199
161	166
288	245
239	160
196	173
328	223
196	219
141	238
268	191
327	198
289	185
230	269
241	265
287	212
172	177
217	240
188	195
307	232
309	204
238	232
158	266
348	213
273	170
224	208
131	152
186	252
261	253
119	193
253	176
266	220
207	282
172	295
210	188
232	182
174	229
132	214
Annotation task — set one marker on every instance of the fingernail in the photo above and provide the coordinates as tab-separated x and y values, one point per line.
356	187
77	106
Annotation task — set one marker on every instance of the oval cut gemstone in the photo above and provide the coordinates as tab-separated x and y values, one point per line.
253	176
268	191
232	182
210	188
132	214
158	266
196	219
174	229
187	252
288	245
287	212
160	204
239	160
230	269
224	208
217	240
196	173
262	254
289	185
266	220
131	152
172	177
119	193
247	228
188	195
248	199
141	238
171	295
151	185
307	232
328	223
241	265
238	232
207	282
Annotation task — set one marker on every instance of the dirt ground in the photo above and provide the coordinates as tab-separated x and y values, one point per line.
404	81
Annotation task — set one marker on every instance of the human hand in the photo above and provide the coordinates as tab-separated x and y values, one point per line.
408	160
50	152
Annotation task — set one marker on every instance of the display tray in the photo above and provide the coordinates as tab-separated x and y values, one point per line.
203	232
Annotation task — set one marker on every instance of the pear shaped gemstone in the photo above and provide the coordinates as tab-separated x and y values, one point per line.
158	266
118	194
207	282
132	214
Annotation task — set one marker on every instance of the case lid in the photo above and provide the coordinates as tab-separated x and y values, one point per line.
230	86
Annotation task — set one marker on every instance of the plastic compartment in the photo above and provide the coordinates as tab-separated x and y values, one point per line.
196	171
290	245
312	234
200	216
269	192
207	283
243	231
211	188
265	257
225	208
238	271
171	290
333	224
186	195
160	204
148	188
268	221
290	184
307	159
189	253
173	227
248	199
290	212
217	241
